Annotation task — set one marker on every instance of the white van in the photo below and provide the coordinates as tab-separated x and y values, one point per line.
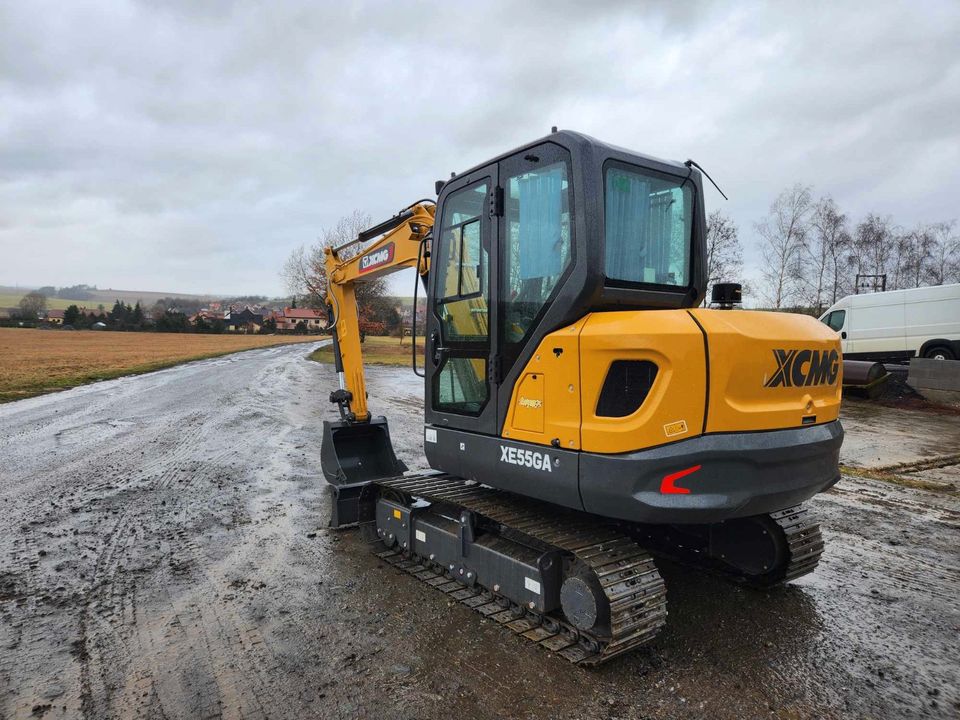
900	324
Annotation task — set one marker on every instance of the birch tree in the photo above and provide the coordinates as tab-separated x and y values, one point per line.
919	250
945	255
724	252
873	245
823	271
782	234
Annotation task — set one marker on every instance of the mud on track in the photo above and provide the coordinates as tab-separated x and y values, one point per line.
163	555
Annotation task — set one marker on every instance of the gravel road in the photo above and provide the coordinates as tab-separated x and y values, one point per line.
163	555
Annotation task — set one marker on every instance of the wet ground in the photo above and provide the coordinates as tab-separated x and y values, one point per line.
880	437
163	555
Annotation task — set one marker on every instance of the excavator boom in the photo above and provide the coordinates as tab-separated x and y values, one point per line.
357	448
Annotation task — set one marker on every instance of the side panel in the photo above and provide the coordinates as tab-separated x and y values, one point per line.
545	403
541	472
673	408
930	319
770	370
878	327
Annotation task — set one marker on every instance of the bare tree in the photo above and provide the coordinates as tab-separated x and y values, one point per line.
724	252
304	272
902	242
33	305
919	245
296	273
826	243
873	245
157	312
914	252
944	264
782	235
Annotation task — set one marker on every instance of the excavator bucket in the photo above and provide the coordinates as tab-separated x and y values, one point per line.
352	455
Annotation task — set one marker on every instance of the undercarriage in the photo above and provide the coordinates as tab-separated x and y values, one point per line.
580	585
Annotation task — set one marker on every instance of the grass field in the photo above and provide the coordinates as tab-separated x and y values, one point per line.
378	351
33	362
12	300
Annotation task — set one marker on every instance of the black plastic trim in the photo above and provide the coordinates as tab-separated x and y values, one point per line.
740	474
706	360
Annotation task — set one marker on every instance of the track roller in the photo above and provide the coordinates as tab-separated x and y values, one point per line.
565	580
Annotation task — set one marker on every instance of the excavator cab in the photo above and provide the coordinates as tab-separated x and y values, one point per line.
521	249
517	251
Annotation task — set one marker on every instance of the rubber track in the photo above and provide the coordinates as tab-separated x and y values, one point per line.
627	574
801	530
804	540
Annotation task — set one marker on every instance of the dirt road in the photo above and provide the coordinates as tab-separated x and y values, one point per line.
163	555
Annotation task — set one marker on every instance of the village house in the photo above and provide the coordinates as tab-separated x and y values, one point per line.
313	320
243	321
209	315
54	317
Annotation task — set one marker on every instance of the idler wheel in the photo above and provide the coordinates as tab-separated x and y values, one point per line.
583	602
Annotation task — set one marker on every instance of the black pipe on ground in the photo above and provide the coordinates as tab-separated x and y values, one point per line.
863	378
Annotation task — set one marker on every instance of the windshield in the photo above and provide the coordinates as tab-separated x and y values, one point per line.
835	319
648	219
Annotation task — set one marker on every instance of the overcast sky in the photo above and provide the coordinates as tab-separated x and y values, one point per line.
190	146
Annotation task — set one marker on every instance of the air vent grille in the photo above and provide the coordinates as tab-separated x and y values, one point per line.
626	387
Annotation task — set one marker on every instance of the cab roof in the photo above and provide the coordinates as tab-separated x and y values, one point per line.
588	145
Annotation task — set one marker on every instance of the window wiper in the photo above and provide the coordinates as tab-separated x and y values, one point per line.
692	164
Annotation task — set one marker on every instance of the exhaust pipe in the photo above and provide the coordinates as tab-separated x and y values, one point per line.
352	455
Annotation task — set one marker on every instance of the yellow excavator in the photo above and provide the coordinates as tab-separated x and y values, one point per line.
583	415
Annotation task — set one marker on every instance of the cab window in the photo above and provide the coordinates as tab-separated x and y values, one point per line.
537	245
463	267
648	224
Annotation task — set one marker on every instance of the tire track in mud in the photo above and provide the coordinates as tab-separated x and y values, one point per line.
110	615
230	666
135	554
110	603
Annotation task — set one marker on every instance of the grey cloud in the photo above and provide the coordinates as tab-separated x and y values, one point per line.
186	145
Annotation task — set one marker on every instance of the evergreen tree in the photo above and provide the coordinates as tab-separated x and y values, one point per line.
116	315
71	315
137	316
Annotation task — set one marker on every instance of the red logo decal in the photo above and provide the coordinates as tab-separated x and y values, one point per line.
376	258
667	486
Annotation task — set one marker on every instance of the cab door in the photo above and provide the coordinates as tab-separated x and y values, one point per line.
461	318
837	321
535	232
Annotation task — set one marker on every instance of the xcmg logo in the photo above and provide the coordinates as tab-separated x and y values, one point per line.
376	259
802	368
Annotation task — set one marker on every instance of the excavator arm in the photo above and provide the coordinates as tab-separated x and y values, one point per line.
401	244
357	448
